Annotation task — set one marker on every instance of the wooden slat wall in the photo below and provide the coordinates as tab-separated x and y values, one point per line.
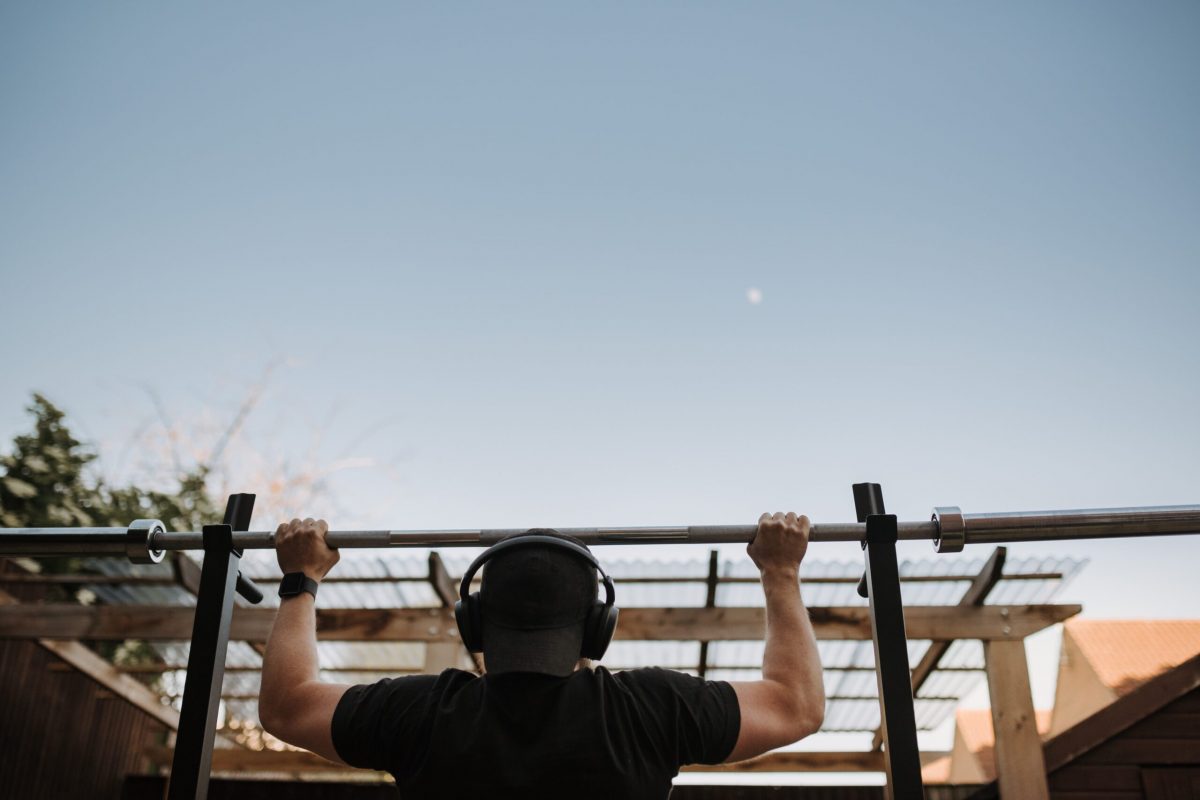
1119	768
62	734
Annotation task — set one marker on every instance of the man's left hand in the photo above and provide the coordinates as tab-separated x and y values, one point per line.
300	547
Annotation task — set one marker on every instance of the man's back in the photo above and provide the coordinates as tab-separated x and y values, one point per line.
590	734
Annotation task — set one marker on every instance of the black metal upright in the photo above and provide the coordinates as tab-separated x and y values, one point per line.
206	659
898	721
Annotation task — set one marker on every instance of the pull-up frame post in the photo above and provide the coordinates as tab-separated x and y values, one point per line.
219	578
898	722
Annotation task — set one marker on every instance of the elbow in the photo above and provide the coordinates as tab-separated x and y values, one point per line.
808	715
267	721
270	718
813	720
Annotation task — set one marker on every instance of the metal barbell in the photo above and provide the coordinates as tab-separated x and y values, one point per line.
147	540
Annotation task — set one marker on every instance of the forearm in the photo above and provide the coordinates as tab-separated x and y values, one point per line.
790	656
291	657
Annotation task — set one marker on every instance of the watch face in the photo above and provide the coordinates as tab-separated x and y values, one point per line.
292	583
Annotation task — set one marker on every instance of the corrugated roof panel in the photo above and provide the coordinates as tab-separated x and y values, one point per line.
626	654
657	568
963	654
853	684
942	683
736	653
241	709
143	595
739	594
240	683
660	595
931	713
861	715
371	655
916	650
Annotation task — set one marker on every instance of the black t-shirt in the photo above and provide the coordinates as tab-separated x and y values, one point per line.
593	734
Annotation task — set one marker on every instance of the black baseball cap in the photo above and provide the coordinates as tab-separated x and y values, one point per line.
534	601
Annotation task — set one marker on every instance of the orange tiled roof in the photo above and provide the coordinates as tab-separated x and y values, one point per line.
975	725
1127	653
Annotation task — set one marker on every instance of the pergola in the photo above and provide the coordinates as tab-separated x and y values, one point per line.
387	613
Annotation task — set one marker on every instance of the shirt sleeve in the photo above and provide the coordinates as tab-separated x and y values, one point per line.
698	719
373	723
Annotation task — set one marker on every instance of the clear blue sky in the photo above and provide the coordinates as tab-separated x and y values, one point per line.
514	242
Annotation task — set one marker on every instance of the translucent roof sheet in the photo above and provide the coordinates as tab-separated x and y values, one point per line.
399	579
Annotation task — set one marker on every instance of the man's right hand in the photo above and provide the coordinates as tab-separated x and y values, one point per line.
300	547
780	542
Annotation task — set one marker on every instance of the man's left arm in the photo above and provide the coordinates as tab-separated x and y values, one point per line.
293	704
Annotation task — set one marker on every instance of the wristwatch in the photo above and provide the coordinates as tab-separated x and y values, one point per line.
294	583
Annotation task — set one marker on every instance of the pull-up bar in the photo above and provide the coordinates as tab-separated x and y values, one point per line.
146	541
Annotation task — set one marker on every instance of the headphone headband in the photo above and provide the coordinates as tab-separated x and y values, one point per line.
526	540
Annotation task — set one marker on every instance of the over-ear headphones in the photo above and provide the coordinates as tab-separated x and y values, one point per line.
601	620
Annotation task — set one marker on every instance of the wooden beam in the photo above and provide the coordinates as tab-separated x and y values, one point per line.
128	689
228	760
187	572
810	761
65	621
440	655
842	622
1020	764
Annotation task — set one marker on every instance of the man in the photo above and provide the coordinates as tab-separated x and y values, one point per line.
539	723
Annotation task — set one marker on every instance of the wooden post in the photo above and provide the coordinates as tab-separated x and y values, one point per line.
1020	763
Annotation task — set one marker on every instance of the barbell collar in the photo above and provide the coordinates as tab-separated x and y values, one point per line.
139	541
951	534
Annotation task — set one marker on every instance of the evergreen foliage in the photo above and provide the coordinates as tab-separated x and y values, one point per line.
45	484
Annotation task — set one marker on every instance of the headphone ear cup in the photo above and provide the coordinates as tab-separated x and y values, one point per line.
470	627
599	630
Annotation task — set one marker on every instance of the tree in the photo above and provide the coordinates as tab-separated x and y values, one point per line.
46	485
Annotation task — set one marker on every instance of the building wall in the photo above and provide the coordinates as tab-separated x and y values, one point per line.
1156	759
964	764
62	735
1079	692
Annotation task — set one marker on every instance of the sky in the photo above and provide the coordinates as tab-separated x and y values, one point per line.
624	263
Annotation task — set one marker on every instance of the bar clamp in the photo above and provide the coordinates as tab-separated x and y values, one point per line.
952	529
139	541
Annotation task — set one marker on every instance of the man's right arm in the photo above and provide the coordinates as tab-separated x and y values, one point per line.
789	702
